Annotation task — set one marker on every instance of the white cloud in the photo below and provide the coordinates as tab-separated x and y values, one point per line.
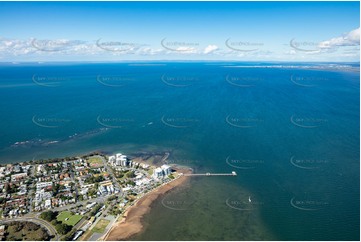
210	49
333	48
290	52
149	51
186	50
351	38
336	48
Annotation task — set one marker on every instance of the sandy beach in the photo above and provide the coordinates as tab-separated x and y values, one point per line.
131	223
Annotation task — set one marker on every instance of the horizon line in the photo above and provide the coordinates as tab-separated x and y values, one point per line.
117	61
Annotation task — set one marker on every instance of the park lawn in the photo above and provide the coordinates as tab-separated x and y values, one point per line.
100	226
95	162
73	219
101	174
150	171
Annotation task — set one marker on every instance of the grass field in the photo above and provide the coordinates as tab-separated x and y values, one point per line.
86	235
150	171
100	226
73	219
95	162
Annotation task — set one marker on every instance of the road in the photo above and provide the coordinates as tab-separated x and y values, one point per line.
34	217
110	171
38	221
73	180
69	206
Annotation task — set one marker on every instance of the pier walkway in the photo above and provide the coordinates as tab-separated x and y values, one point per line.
212	174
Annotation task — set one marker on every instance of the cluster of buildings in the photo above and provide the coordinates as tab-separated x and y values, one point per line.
120	160
33	187
162	171
53	185
141	182
106	188
43	195
11	169
13	189
87	186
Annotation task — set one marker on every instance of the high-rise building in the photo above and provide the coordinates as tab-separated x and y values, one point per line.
166	170
158	172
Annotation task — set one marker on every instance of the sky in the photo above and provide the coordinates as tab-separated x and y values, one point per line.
211	31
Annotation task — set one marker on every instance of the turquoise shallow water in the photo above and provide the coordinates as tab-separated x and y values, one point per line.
291	134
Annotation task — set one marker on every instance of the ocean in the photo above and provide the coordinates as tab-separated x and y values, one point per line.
289	130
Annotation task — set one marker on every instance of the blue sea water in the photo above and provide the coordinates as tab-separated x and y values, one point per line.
289	130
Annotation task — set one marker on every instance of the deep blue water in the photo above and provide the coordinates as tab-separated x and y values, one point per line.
290	132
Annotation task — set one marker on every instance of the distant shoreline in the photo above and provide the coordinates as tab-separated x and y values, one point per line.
131	223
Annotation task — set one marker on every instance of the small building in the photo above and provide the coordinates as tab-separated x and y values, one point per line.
41	185
77	234
47	203
91	205
2	229
103	190
19	176
91	220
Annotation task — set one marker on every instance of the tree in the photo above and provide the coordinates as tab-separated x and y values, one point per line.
111	198
55	189
67	238
96	209
48	215
55	222
130	174
92	192
31	226
94	179
15	227
63	228
119	174
130	182
42	234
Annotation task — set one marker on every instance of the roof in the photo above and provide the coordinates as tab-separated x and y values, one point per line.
158	169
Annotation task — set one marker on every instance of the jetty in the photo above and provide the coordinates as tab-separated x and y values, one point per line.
233	173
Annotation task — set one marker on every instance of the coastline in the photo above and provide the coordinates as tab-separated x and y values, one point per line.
131	222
